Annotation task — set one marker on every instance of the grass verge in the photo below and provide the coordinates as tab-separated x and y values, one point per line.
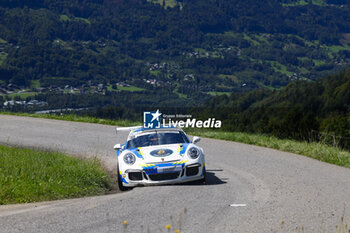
314	150
76	118
29	176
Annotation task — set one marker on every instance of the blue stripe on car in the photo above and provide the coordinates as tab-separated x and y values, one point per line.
184	148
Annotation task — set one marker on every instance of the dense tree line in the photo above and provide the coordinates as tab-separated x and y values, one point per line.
294	112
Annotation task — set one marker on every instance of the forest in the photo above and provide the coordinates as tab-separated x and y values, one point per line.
274	67
302	110
235	46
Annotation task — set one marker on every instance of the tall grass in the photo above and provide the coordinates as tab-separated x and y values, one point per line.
76	118
29	176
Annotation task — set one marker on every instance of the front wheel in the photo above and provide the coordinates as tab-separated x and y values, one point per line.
204	179
120	182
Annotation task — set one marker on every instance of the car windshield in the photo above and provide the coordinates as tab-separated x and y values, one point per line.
154	139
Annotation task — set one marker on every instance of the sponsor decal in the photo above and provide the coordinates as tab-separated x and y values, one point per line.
161	152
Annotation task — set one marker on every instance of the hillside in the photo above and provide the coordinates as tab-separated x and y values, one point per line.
192	49
302	110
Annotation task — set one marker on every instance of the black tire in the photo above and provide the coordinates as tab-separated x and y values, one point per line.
203	180
120	182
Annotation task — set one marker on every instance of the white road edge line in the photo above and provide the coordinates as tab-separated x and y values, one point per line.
238	205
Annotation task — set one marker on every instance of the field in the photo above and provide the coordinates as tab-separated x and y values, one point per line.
65	18
130	88
23	95
168	3
303	2
216	93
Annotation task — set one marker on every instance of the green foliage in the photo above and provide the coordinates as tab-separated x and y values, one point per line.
292	112
112	41
30	176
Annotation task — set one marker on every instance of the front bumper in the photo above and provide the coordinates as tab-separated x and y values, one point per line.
163	174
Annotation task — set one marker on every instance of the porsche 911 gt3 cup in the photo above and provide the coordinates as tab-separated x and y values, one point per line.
159	156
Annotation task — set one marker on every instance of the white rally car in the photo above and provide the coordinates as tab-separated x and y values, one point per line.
158	156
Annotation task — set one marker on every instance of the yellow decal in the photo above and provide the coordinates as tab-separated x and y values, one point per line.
180	162
161	152
147	165
140	151
180	148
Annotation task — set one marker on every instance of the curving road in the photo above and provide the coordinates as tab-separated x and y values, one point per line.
250	189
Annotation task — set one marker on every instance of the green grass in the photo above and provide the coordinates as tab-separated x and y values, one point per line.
278	67
181	95
23	95
261	38
303	2
216	93
155	72
232	77
64	18
83	19
337	48
130	88
250	39
318	62
2	41
3	57
315	150
35	83
30	176
72	117
168	3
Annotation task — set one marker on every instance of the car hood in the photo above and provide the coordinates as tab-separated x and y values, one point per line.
162	153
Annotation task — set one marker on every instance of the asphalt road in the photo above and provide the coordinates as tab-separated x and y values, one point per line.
275	191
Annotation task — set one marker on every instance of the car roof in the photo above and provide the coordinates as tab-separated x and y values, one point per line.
143	130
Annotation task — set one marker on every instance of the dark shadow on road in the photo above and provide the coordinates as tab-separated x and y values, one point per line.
211	179
215	170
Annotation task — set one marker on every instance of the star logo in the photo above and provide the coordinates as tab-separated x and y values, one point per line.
152	120
156	115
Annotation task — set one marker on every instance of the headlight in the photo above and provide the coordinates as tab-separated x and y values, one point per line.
193	153
129	158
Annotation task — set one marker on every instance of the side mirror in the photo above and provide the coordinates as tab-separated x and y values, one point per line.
196	139
117	147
